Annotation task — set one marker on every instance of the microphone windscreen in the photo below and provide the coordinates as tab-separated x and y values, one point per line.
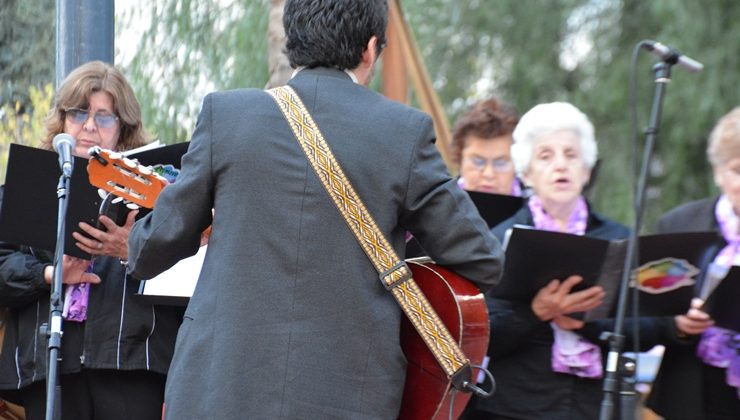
63	138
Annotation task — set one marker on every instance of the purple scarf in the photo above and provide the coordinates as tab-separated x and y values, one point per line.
76	297
729	225
720	347
571	353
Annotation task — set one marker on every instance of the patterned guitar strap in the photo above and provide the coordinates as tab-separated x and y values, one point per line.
394	273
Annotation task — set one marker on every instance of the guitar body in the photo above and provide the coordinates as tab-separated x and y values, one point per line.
462	308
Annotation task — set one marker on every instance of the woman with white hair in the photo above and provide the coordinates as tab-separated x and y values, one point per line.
699	378
546	364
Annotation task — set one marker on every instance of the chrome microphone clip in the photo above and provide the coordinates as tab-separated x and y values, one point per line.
672	56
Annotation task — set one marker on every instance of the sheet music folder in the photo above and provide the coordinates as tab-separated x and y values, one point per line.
536	257
669	267
722	305
174	286
668	290
30	205
493	208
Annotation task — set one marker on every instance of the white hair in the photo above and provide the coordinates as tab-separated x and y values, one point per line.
545	119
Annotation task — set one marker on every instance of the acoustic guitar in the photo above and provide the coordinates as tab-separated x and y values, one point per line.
125	178
428	393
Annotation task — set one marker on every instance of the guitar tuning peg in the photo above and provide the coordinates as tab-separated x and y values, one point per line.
129	162
117	200
132	206
102	193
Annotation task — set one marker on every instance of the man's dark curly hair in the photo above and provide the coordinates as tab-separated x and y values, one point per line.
332	33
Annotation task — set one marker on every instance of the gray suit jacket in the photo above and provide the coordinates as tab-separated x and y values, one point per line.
289	319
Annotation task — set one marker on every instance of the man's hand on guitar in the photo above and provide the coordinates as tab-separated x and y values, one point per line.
113	241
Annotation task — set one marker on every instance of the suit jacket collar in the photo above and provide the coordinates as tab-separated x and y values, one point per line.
322	72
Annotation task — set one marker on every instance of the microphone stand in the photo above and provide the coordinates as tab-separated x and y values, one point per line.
616	363
53	331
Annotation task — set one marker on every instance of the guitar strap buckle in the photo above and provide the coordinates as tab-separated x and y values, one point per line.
395	275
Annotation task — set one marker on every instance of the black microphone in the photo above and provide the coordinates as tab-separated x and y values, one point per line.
673	56
64	144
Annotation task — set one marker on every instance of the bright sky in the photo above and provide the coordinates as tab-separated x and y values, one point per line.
126	43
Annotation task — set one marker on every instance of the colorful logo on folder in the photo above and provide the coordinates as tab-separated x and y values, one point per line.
665	275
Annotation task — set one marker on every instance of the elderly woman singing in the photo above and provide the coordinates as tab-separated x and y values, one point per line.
547	364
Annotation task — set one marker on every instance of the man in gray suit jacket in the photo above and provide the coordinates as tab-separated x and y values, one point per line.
289	319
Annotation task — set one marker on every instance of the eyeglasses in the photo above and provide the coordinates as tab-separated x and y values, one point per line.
500	164
79	116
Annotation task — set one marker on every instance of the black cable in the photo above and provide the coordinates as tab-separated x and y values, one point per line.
470	387
479	391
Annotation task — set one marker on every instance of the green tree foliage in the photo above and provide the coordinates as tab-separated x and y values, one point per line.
26	71
189	48
24	124
26	49
528	52
525	52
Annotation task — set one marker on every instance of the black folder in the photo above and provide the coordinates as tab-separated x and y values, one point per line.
493	208
670	265
722	305
536	257
30	205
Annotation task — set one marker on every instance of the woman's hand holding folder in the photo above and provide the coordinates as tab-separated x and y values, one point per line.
694	322
75	271
555	300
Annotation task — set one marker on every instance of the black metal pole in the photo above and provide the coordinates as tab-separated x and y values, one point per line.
54	328
85	32
612	382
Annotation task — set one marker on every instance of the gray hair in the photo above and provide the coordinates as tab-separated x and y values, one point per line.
724	141
548	118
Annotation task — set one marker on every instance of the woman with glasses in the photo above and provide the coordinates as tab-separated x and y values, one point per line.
480	147
115	349
699	377
546	364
